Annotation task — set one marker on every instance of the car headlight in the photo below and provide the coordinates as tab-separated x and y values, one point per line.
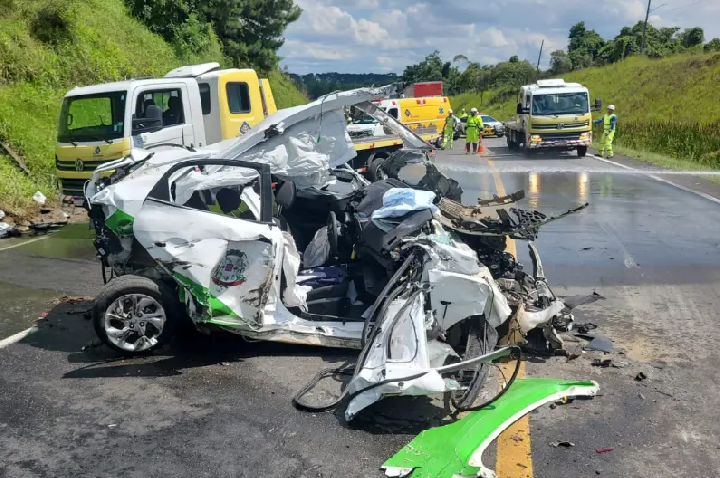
535	138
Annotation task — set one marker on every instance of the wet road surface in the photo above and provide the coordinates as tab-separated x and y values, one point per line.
220	407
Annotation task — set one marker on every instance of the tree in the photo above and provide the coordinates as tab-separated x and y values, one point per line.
430	69
514	59
512	73
692	37
250	30
587	43
560	63
713	45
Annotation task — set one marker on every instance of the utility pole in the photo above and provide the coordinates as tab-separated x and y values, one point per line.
647	15
540	56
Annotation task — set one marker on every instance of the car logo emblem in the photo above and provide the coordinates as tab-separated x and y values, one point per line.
560	126
79	166
97	150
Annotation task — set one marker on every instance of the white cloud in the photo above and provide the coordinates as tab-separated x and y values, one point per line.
371	35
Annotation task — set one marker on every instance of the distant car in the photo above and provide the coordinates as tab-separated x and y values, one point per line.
492	126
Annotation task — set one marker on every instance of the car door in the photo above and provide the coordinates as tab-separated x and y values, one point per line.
176	127
228	263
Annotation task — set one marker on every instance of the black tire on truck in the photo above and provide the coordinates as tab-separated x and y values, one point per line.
141	307
375	172
512	145
582	151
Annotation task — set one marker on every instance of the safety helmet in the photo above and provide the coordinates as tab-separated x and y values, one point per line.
473	110
611	107
450	112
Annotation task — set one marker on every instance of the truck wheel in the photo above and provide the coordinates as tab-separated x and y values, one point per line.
581	151
375	172
134	315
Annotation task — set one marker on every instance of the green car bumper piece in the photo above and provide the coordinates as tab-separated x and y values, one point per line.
455	450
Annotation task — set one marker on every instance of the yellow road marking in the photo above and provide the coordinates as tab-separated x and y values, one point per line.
514	458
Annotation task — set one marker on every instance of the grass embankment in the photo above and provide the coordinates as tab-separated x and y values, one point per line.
668	106
50	46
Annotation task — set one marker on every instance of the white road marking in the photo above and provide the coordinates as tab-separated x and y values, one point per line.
13	339
656	178
23	243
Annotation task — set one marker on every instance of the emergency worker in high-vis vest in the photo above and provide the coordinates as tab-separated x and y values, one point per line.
473	130
449	130
609	122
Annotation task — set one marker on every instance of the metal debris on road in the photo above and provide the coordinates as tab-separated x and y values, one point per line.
640	377
602	363
603	450
600	344
562	444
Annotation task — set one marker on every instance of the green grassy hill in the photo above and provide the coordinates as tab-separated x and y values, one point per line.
50	46
670	106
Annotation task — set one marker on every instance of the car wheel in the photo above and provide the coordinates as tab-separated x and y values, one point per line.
135	315
581	151
471	338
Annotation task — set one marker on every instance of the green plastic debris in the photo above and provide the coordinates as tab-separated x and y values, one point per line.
455	450
120	223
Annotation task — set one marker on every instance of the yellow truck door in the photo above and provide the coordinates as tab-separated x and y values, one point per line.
241	103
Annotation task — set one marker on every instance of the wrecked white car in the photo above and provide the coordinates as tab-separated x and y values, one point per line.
418	283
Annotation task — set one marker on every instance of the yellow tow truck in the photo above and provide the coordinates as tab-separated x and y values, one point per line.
191	106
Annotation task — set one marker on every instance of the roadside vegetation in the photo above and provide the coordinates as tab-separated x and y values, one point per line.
50	46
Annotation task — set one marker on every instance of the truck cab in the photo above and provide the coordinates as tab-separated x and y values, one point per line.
191	106
552	114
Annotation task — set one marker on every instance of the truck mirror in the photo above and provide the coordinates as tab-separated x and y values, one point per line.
598	105
521	110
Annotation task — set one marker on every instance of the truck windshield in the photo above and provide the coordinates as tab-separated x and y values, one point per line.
97	117
561	104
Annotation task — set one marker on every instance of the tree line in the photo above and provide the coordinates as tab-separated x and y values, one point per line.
250	31
585	48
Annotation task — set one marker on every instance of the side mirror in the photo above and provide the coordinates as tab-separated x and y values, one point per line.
597	106
521	110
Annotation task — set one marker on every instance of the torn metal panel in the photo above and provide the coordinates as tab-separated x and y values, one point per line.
456	450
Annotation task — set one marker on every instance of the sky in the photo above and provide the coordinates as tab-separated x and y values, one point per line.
383	36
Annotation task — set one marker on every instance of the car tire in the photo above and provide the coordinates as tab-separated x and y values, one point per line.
582	151
478	338
122	291
500	135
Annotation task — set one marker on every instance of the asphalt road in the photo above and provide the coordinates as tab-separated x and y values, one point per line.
221	407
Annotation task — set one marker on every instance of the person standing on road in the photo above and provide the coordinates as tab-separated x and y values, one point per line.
609	121
449	130
473	130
